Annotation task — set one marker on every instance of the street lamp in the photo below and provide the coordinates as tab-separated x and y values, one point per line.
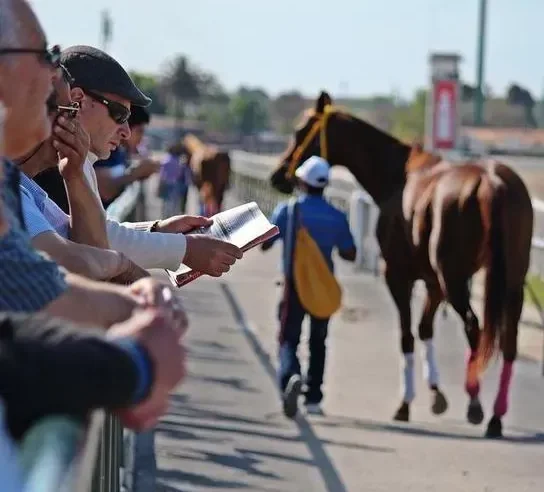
479	96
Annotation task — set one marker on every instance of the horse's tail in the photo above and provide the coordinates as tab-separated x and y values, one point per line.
496	277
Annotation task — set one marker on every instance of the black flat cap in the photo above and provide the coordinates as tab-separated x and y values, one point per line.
95	70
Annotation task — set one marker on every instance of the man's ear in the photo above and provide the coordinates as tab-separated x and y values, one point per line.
77	94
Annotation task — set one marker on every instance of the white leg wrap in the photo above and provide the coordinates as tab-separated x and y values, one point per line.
430	369
408	373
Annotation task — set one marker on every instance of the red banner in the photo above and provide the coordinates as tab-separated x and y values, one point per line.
444	114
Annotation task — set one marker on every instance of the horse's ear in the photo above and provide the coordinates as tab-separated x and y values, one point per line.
323	100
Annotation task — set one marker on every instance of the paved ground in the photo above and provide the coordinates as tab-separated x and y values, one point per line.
225	429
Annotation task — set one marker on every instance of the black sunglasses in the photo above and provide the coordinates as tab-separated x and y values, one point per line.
49	56
118	113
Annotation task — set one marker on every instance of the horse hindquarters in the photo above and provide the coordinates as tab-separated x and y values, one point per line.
510	218
487	228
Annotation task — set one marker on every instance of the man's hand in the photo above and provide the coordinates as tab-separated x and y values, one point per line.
153	293
72	143
183	223
152	329
210	255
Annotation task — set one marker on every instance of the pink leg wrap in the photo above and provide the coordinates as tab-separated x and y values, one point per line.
471	387
501	402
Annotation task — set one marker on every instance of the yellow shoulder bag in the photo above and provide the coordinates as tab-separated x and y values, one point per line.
316	286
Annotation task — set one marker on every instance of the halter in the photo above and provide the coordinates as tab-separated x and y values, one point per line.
320	125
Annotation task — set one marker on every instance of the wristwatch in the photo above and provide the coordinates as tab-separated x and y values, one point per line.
154	226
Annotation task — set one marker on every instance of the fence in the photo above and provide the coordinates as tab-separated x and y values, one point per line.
59	454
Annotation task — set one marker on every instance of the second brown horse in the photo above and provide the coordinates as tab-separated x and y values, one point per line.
211	171
440	223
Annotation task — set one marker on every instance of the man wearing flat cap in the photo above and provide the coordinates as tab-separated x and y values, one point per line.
106	93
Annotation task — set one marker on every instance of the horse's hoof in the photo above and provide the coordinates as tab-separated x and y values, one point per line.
475	412
440	404
494	428
403	413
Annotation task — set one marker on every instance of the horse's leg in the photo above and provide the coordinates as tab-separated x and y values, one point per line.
434	297
400	288
509	351
459	298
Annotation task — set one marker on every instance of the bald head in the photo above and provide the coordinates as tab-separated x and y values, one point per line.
17	21
25	78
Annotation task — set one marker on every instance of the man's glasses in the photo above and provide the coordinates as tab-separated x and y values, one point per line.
49	56
118	113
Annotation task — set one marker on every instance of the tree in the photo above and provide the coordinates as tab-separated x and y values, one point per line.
409	119
150	86
249	112
181	84
519	96
287	107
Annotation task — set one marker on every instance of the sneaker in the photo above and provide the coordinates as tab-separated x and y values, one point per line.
313	408
290	396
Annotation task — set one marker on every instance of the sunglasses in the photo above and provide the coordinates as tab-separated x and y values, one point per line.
48	56
118	113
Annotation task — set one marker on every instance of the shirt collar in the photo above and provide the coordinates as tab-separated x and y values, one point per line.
92	158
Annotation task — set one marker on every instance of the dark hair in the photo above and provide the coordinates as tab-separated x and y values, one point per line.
176	148
138	116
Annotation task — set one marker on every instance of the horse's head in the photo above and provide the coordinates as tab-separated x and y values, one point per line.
309	139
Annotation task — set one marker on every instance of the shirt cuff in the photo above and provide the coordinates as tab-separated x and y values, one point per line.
143	363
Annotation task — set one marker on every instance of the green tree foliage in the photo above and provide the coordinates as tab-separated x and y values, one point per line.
517	95
150	86
287	107
409	118
249	111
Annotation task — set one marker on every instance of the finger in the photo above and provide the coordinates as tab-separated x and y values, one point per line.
66	124
228	260
232	250
65	136
64	149
198	221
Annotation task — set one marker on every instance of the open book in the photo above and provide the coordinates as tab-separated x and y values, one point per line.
244	226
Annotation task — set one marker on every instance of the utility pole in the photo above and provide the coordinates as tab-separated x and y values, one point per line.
105	31
479	96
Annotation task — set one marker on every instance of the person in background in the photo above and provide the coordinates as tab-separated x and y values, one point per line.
329	228
126	163
175	178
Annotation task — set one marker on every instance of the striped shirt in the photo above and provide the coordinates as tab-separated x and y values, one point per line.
39	212
30	281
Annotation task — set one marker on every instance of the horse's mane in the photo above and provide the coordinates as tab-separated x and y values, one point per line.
419	159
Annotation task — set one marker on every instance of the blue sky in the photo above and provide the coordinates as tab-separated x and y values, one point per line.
355	47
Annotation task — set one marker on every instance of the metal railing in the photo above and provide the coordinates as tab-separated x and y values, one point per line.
60	454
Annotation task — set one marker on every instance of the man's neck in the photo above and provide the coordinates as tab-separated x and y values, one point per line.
37	160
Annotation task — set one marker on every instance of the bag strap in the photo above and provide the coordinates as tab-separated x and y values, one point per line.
292	216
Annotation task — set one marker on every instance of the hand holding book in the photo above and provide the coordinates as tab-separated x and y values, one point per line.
242	228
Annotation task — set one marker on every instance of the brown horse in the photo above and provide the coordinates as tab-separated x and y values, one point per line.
440	223
210	168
